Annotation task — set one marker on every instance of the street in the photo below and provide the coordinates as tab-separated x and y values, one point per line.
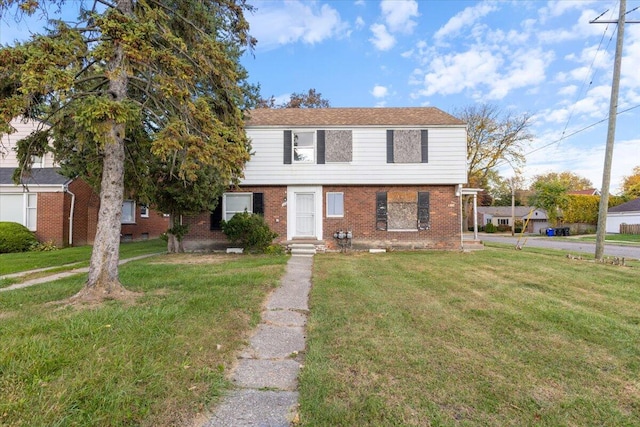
569	245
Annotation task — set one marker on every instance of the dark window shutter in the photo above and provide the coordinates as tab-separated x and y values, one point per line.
424	145
389	146
423	210
216	216
381	210
320	147
258	203
287	147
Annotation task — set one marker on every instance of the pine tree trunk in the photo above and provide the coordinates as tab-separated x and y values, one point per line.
103	281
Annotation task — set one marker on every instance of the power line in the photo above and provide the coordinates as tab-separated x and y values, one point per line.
563	137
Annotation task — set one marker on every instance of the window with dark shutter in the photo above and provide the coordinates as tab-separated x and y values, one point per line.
389	146
258	203
216	216
424	145
381	210
287	147
320	147
423	210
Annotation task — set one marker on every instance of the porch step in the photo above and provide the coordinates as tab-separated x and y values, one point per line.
302	249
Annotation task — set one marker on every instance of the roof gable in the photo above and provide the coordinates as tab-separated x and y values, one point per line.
415	116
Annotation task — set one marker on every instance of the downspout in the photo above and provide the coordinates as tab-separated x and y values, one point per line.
73	204
459	194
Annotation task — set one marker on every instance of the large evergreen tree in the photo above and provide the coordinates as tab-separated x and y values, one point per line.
147	89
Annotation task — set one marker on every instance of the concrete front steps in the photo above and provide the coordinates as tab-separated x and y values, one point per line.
305	247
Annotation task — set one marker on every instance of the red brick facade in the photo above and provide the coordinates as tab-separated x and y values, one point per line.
54	213
359	218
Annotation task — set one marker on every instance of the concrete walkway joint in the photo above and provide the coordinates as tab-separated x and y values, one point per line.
267	371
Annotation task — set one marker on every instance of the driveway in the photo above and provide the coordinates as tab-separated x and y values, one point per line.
564	244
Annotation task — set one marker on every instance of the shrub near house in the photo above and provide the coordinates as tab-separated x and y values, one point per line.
15	237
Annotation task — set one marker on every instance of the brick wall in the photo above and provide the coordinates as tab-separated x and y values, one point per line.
201	237
85	197
51	220
145	228
359	217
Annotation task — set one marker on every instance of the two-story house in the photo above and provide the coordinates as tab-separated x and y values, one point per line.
392	177
59	209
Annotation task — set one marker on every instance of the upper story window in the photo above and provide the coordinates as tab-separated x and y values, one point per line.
128	212
37	161
304	147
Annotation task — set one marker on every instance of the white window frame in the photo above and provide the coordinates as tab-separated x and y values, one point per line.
31	208
334	214
227	215
132	219
312	149
37	162
503	221
144	211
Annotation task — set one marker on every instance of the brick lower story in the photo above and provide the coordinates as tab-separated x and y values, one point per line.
359	218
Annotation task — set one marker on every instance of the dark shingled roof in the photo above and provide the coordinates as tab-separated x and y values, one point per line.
630	206
415	116
39	176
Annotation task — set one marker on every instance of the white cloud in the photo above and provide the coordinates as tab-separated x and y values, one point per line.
381	39
359	23
398	13
557	8
526	69
579	31
275	24
379	91
465	19
568	90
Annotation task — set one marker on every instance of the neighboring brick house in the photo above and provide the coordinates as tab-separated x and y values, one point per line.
393	177
58	209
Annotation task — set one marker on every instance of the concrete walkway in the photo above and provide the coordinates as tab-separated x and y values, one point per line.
55	276
267	370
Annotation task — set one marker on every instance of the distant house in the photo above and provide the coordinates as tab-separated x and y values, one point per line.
59	209
393	177
626	213
501	215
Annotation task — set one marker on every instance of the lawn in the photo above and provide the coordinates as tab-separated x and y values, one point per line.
490	338
157	362
23	261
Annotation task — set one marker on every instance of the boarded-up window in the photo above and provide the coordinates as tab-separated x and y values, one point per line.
407	146
338	146
402	210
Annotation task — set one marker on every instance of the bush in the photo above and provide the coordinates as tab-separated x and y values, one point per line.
250	231
15	237
47	246
490	228
503	228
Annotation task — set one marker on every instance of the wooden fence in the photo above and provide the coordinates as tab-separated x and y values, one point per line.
629	228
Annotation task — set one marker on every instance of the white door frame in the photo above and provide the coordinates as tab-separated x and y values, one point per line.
291	209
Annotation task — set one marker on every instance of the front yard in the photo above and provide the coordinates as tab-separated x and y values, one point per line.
495	337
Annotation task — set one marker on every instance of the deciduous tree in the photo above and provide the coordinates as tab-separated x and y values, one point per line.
151	89
311	99
550	196
631	184
572	181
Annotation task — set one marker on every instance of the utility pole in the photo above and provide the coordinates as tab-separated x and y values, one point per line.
611	132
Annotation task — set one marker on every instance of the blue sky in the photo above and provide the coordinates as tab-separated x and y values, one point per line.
542	58
536	57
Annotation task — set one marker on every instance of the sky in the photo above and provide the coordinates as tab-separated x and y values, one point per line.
540	58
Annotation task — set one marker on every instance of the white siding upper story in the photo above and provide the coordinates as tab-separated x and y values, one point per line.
8	144
447	162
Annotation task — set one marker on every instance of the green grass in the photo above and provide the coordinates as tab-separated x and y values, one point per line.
23	261
491	338
622	238
154	363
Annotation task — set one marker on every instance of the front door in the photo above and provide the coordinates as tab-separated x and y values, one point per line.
305	215
304	212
